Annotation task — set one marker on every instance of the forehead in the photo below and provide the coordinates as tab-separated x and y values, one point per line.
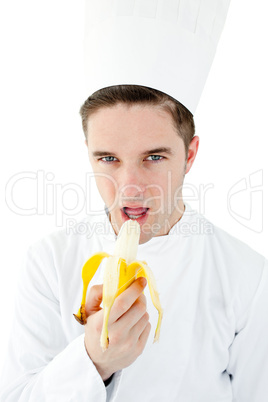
136	122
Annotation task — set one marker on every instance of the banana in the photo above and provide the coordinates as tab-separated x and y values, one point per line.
120	271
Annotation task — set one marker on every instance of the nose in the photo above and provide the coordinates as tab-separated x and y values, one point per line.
132	182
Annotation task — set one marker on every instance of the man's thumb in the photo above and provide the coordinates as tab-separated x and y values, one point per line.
94	299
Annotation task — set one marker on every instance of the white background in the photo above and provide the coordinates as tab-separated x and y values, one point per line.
42	91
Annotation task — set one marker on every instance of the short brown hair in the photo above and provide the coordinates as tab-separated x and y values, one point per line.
136	94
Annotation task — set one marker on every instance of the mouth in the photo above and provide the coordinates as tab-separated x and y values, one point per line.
135	213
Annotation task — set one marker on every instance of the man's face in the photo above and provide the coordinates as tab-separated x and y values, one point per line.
140	162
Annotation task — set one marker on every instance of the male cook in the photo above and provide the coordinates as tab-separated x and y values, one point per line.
147	64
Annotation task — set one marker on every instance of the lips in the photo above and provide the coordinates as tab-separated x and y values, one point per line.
135	213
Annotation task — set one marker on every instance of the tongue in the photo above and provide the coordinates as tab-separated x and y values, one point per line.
135	211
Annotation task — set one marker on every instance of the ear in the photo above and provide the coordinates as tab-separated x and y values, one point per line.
86	142
193	148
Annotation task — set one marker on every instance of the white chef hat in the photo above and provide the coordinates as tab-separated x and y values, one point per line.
167	45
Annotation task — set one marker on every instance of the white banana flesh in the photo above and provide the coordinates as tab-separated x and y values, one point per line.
120	271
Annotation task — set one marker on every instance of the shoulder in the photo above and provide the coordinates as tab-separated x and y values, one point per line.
240	268
219	242
226	255
234	251
78	240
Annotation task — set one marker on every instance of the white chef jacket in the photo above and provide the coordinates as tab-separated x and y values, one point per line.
213	343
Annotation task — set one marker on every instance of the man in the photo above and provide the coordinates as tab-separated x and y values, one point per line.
213	288
148	165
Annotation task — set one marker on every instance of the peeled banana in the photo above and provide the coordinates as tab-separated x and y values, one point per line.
120	271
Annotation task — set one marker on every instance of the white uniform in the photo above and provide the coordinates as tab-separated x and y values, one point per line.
213	344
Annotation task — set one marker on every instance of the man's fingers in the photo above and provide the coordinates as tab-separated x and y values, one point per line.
124	301
144	337
130	318
94	299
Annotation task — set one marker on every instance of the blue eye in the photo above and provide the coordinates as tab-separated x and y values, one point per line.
108	159
155	158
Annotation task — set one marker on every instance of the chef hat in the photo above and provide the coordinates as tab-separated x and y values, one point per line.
167	45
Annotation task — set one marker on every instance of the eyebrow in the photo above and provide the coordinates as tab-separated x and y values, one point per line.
166	150
102	153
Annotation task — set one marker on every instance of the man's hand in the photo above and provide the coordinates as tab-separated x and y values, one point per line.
128	328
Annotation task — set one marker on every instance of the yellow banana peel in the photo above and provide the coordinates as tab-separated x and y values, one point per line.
120	271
